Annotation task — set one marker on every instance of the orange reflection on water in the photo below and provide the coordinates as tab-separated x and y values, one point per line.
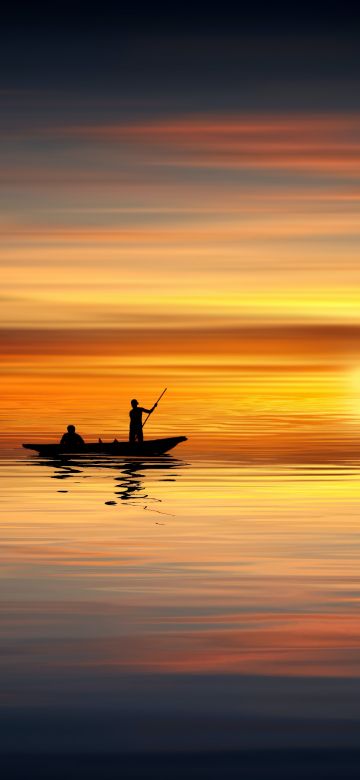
196	567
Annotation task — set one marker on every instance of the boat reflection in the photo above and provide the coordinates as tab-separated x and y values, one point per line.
131	476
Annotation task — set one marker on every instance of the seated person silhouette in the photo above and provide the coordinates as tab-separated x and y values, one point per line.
71	441
136	431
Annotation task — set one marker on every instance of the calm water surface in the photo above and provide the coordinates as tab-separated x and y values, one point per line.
177	605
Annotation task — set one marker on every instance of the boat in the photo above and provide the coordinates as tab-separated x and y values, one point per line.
150	447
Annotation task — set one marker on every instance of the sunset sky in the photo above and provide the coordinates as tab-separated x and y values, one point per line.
175	193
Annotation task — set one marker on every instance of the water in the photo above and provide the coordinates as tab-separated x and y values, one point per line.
174	609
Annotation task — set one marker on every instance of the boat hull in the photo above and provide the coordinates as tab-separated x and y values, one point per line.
150	447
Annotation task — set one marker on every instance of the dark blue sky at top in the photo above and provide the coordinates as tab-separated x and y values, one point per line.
263	57
268	15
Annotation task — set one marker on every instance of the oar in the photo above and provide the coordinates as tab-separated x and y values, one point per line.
159	399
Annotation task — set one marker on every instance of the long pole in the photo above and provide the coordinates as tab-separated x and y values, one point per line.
160	397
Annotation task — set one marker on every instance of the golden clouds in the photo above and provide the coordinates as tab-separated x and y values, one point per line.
190	221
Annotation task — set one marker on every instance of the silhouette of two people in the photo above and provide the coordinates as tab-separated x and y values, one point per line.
72	441
136	425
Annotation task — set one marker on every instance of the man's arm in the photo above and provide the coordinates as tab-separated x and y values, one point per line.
148	411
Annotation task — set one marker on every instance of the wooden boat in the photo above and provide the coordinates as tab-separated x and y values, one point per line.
150	447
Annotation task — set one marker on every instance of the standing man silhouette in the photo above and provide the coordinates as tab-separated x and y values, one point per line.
136	432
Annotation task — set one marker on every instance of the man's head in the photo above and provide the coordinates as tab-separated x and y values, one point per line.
134	403
71	428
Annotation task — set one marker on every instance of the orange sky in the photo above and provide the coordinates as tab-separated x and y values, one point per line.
138	253
189	222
